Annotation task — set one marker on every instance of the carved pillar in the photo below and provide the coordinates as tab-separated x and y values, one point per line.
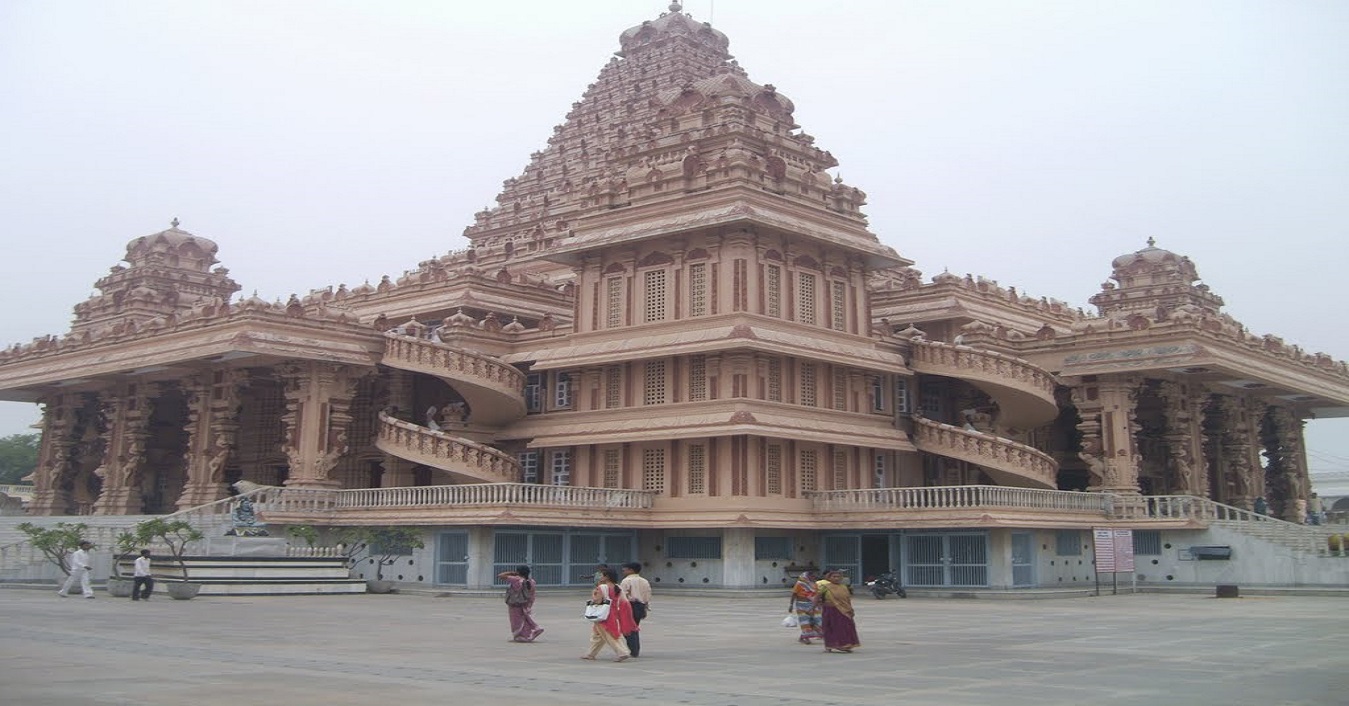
317	419
400	395
1281	434
1183	413
397	472
127	414
1237	465
213	427
50	497
1106	406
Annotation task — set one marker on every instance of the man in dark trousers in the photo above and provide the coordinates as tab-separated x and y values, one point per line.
638	592
140	576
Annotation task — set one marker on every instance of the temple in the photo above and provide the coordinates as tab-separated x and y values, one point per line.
674	340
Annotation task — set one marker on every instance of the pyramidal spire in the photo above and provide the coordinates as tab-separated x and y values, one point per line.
672	112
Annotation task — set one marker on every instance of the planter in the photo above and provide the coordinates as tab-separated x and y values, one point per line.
120	587
182	590
379	586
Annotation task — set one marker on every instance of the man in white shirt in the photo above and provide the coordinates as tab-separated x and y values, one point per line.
80	566
140	576
638	592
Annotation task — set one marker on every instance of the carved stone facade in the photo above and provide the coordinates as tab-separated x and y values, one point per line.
674	298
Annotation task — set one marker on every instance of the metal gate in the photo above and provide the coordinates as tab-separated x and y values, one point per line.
957	559
1023	559
589	550
452	558
844	552
542	551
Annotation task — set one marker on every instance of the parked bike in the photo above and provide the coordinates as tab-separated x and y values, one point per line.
887	584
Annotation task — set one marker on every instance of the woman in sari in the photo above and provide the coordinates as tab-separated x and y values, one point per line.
804	607
611	630
840	631
520	604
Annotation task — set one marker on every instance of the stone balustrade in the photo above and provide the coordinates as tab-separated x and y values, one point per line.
302	500
986	450
426	356
962	497
440	450
966	363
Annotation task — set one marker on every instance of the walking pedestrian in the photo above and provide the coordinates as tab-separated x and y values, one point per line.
638	592
840	629
619	623
804	607
140	577
80	566
520	590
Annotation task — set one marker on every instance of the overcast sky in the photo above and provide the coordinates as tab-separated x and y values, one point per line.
1031	142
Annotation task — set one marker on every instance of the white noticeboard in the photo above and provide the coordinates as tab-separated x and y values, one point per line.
1114	553
1105	550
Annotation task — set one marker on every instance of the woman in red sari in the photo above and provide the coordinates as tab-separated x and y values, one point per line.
840	631
611	630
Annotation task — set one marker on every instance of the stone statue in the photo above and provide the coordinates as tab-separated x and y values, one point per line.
245	520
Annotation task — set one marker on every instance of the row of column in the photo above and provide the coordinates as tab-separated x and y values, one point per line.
1212	442
117	419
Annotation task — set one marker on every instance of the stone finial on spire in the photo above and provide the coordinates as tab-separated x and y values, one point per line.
174	222
676	7
1152	242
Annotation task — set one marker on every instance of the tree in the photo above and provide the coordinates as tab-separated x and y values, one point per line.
55	542
174	534
18	456
383	544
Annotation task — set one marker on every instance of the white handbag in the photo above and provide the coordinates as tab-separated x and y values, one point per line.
597	611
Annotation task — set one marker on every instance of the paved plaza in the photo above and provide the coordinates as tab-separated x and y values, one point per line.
423	649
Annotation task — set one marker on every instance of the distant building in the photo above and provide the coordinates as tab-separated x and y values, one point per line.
675	340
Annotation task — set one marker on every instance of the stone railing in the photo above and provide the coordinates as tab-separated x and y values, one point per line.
960	497
22	492
303	500
964	362
440	450
1310	539
985	450
425	356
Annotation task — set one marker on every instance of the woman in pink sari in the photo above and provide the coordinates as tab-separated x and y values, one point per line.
611	630
840	631
520	604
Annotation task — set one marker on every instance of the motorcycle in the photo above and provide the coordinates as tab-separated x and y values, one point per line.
886	584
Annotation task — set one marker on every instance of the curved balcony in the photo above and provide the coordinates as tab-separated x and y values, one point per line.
465	460
1005	460
1024	392
493	390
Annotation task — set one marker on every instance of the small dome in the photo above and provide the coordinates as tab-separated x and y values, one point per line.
190	251
1151	255
671	24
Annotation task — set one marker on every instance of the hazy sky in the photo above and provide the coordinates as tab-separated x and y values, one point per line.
1031	142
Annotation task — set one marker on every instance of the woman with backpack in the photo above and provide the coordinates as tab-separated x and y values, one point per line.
520	604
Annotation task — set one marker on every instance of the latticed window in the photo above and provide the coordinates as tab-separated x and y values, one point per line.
697	470
774	290
805	298
902	404
534	392
840	470
698	378
529	466
654	392
808	385
773	469
879	470
774	392
613	302
613	387
1068	543
741	291
612	464
766	548
698	289
931	402
655	296
877	393
562	391
562	467
809	467
1147	542
653	470
838	306
840	389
